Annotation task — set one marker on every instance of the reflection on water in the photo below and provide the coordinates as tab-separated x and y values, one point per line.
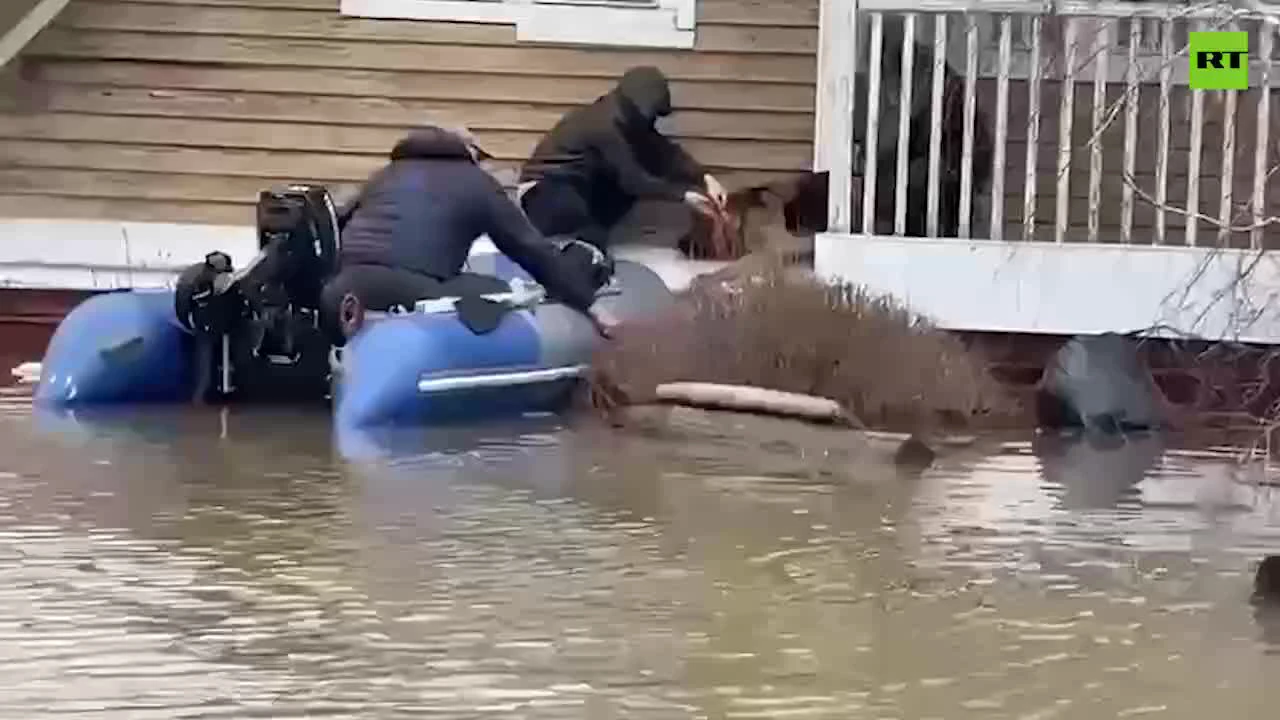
199	565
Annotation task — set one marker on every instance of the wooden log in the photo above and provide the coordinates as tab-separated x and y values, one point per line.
942	441
744	398
769	440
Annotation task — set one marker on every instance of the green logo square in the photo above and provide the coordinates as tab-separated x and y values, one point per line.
1219	60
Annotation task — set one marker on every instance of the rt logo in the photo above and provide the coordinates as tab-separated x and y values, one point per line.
1219	60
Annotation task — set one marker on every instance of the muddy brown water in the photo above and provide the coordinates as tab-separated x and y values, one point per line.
208	565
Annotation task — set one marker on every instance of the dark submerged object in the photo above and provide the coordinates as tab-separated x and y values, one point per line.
1097	472
1266	601
1098	383
1266	582
914	454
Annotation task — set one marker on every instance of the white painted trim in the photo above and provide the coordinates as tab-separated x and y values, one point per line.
94	255
833	107
671	24
509	378
25	30
1066	289
443	305
108	255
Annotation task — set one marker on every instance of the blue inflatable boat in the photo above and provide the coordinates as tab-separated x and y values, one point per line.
427	366
255	335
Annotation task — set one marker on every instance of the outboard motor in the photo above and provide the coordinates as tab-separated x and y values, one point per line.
258	327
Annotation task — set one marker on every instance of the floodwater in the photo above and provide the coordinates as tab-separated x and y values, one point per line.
206	565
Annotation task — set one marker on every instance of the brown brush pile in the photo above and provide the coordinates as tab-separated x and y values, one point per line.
773	328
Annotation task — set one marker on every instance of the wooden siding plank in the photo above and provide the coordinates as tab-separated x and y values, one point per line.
274	107
178	162
14	94
732	96
119	184
126	209
167	187
327	24
773	13
377	141
771	39
186	160
318	24
523	60
767	13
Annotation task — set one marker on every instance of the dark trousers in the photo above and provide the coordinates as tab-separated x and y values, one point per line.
558	209
381	288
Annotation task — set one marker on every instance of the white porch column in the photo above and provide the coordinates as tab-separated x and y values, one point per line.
833	114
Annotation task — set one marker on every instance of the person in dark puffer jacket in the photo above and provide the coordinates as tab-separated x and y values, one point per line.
598	160
408	234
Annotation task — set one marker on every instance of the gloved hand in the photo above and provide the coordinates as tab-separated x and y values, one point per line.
715	190
699	202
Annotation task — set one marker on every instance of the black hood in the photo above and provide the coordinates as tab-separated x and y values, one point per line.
646	91
430	143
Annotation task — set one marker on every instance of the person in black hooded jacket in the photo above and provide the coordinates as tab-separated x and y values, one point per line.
598	160
409	232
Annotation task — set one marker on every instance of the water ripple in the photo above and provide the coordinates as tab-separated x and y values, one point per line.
197	566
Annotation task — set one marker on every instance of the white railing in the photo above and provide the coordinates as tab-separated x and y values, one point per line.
973	58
